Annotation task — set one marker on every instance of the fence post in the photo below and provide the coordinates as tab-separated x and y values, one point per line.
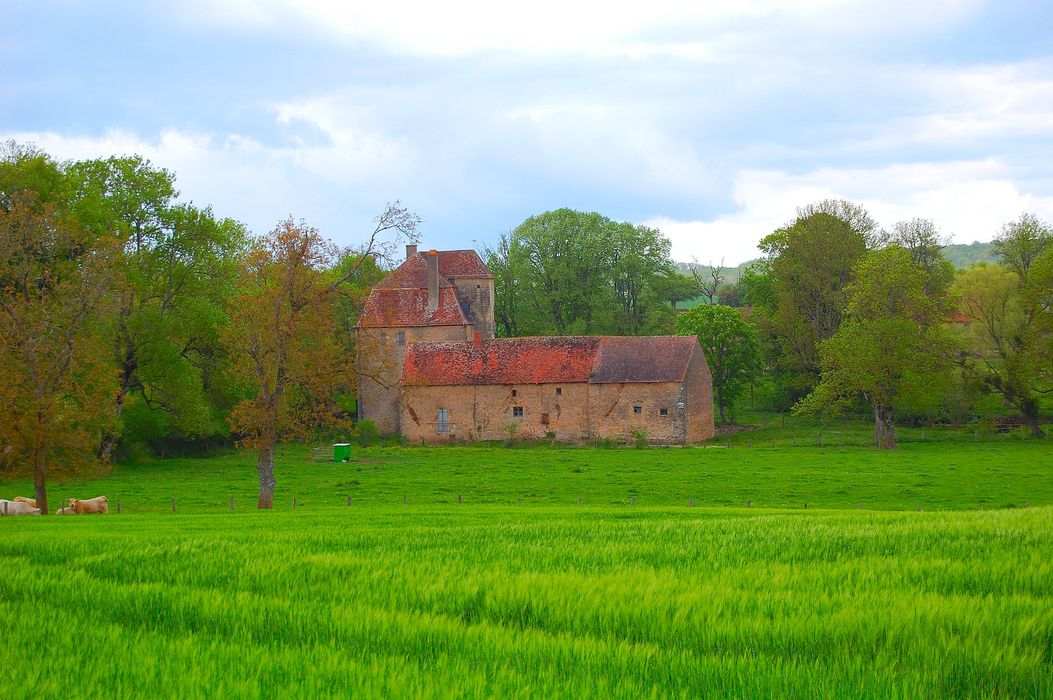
751	443
919	508
294	501
173	505
690	503
5	507
579	500
349	500
806	505
976	435
632	501
405	500
231	503
118	506
749	503
795	441
459	499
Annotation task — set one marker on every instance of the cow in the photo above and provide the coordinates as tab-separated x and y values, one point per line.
65	511
16	508
89	505
31	502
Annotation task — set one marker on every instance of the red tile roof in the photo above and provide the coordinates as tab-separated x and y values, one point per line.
462	263
567	359
412	274
387	308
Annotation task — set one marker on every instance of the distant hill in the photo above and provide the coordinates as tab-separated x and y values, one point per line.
961	255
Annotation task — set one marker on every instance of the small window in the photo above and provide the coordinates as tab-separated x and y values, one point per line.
400	337
442	421
663	411
559	391
544	419
514	393
637	409
517	411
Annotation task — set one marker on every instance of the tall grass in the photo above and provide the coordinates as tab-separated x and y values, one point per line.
498	600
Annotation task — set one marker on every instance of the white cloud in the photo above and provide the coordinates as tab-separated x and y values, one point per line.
969	200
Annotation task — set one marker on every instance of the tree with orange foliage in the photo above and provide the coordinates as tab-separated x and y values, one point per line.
283	336
56	378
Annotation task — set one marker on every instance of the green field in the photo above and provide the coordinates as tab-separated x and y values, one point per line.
519	591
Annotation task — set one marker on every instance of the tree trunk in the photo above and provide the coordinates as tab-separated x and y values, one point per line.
265	469
720	406
1029	408
885	427
40	487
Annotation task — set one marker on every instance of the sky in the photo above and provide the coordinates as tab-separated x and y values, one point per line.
710	121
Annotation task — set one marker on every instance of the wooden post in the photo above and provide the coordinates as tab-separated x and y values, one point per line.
918	508
118	506
349	500
232	503
806	505
173	505
405	500
750	443
294	501
459	499
859	506
690	503
579	500
976	435
749	503
632	501
795	441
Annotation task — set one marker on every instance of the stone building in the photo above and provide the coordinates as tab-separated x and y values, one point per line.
430	368
563	388
434	295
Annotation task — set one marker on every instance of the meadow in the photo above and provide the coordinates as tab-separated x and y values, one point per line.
519	591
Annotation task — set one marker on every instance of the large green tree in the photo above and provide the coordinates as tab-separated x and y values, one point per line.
809	265
731	346
891	349
1009	337
177	268
569	272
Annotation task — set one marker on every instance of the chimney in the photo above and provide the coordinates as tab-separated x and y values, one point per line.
411	248
433	280
477	339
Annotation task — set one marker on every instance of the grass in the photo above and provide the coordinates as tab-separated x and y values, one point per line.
519	591
547	602
941	475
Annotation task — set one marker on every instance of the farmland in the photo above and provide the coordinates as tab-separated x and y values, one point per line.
519	591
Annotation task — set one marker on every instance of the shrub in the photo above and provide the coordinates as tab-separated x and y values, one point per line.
366	433
640	438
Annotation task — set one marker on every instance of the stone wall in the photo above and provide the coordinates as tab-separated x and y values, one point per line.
380	358
478	292
698	388
619	410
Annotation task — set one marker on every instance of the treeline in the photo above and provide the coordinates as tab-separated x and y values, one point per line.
839	315
129	317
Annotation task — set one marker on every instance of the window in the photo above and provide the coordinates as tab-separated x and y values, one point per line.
544	419
400	337
514	393
637	409
559	391
517	411
663	411
442	421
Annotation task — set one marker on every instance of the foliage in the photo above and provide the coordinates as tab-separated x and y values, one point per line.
54	380
809	265
283	337
732	350
366	433
566	272
1009	337
890	349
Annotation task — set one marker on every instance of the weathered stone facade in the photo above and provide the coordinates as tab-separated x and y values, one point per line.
430	368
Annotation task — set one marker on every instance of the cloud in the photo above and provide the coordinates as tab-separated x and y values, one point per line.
969	200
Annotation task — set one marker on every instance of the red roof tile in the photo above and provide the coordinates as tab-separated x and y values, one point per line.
409	307
568	359
659	358
412	274
462	263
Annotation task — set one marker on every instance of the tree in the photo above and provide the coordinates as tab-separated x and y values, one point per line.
675	288
731	347
891	349
708	279
177	269
283	336
55	377
925	244
568	272
810	264
1009	346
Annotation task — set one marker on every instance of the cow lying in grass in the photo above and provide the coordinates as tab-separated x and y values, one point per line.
99	504
31	502
65	511
16	508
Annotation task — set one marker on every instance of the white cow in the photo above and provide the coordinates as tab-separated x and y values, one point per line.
16	508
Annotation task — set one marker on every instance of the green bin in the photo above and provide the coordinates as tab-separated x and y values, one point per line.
342	452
